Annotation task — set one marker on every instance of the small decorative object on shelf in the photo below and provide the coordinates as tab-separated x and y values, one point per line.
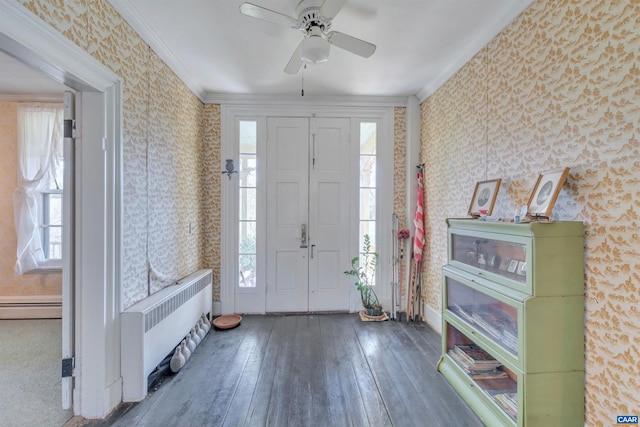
513	331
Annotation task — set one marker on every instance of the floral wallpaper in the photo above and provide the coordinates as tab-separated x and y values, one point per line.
164	135
399	182
210	196
558	87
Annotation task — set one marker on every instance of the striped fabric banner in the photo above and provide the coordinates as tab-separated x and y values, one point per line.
418	241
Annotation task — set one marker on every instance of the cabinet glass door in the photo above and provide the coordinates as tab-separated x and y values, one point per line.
496	380
496	319
506	261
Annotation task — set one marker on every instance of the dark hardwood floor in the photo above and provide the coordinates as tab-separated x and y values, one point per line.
307	370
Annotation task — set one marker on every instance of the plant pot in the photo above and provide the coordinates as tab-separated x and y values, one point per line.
373	312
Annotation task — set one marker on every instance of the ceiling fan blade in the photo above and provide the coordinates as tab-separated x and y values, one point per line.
295	62
330	8
269	15
351	44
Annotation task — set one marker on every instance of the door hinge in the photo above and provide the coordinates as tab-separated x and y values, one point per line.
67	367
69	115
69	128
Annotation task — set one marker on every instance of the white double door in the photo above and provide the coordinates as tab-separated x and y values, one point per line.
308	214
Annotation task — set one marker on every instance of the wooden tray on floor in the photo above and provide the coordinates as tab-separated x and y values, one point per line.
227	321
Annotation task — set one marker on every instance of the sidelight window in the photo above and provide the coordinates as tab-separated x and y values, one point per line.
368	163
247	196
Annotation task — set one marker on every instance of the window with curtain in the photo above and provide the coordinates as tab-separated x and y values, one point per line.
38	199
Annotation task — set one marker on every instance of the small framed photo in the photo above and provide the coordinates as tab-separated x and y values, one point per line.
484	197
504	263
545	193
522	268
513	265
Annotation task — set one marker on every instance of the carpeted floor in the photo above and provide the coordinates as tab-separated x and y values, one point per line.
30	384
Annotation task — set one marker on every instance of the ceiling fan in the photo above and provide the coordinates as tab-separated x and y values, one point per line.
314	20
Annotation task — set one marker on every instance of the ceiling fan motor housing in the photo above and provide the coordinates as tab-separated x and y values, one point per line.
309	16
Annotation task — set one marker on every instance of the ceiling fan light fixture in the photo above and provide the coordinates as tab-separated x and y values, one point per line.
315	50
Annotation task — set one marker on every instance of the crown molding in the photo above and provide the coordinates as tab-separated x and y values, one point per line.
24	35
134	18
280	100
507	15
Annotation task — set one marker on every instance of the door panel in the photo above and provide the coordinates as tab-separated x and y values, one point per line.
329	215
307	186
287	265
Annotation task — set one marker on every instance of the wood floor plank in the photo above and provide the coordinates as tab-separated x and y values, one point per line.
376	411
307	370
346	403
218	404
309	403
240	406
419	364
395	388
274	386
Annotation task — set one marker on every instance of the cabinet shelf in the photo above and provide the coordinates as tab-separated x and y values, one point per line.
486	379
527	336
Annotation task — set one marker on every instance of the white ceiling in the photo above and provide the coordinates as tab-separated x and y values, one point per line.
219	52
216	50
18	80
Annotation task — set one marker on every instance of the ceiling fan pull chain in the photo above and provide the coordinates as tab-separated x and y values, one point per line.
304	67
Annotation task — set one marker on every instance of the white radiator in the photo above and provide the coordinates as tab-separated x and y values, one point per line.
152	328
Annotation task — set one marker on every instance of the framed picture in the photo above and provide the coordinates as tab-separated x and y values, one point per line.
504	263
513	265
545	193
484	197
522	268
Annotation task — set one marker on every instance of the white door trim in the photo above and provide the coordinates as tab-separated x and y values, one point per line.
98	200
382	114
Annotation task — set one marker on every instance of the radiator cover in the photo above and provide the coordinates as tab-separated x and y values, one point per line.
153	327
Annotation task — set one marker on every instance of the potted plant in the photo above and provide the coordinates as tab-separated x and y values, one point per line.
363	269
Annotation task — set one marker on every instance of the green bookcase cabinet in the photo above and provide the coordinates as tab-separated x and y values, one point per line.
513	321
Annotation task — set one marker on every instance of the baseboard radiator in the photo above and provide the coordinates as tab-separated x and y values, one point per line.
31	307
153	327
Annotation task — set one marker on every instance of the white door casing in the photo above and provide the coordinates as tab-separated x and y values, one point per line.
235	299
97	386
68	269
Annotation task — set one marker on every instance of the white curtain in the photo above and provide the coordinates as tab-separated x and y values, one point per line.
39	157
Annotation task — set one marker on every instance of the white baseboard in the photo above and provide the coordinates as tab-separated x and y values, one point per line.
31	307
434	319
217	308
